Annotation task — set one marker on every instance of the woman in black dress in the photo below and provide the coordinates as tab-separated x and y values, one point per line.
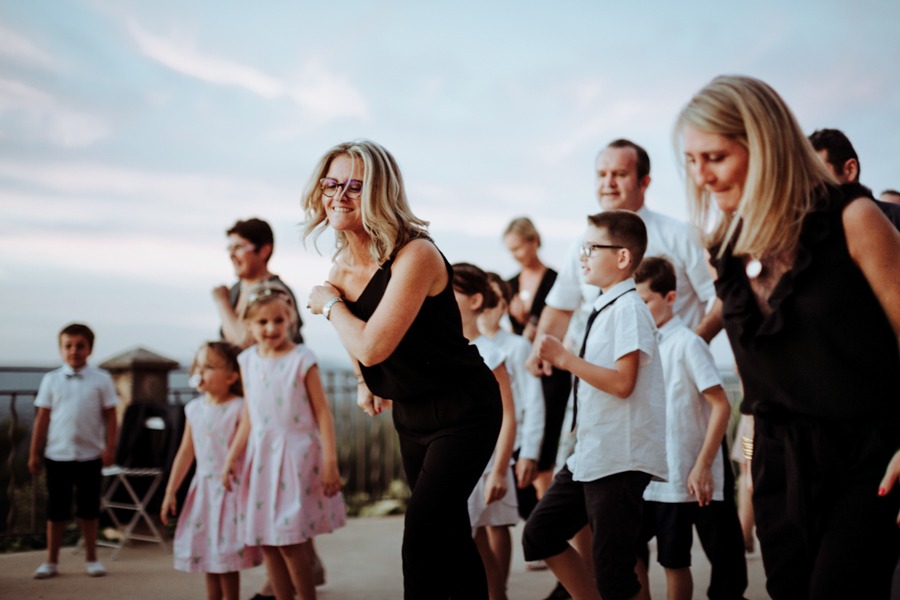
390	299
530	288
807	273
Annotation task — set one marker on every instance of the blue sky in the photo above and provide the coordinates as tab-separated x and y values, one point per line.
133	134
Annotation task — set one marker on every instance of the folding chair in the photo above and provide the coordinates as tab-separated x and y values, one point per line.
142	463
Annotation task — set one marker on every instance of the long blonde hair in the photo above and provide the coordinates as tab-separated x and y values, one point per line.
386	215
783	171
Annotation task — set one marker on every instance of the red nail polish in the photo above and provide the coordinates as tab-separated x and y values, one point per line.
881	491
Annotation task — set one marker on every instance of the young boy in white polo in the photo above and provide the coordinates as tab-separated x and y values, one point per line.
74	437
619	423
697	414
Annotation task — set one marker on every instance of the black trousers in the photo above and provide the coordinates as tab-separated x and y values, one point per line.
556	388
823	530
613	506
446	443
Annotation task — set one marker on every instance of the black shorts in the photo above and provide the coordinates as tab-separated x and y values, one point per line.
64	477
672	523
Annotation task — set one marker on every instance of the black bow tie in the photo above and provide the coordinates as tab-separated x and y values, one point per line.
73	375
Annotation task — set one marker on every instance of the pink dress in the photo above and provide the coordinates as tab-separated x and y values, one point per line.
282	498
207	538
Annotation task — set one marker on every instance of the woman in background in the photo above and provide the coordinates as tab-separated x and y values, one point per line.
530	288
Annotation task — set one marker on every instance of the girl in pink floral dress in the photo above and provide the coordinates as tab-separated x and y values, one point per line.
207	538
290	486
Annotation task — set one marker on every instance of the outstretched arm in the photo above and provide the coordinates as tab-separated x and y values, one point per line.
318	401
237	448
180	466
38	440
532	400
496	487
700	479
874	245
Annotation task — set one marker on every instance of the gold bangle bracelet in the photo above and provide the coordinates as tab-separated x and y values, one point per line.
747	447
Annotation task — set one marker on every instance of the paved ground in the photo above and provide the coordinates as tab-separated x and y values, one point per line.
362	561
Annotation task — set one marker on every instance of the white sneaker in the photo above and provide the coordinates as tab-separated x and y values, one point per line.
45	571
536	565
95	569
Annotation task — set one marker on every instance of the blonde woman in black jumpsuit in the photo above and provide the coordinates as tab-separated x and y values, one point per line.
389	298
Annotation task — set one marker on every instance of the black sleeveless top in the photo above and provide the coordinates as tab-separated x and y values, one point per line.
827	350
434	357
539	300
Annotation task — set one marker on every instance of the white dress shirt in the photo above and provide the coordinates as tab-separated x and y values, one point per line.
614	435
527	392
689	369
76	401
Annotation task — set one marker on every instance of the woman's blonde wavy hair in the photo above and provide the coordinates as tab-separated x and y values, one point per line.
386	214
783	170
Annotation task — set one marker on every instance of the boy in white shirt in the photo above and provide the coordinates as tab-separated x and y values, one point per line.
74	437
697	414
619	423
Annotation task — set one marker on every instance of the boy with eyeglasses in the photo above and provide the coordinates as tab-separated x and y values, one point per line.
619	422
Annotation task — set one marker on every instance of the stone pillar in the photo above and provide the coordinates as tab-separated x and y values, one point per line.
140	376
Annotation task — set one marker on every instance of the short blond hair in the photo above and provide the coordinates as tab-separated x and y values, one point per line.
783	172
524	228
386	215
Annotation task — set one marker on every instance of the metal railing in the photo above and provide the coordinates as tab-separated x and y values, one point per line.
368	449
368	452
15	444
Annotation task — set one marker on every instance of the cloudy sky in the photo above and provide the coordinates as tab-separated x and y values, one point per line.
133	134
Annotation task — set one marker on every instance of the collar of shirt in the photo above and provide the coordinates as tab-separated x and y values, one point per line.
70	372
614	292
669	326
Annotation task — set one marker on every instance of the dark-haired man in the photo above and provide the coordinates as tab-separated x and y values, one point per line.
890	196
840	158
250	246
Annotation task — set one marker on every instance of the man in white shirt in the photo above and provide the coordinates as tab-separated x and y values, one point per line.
623	176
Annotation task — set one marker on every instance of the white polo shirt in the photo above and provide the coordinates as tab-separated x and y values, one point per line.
675	240
528	394
689	369
614	435
76	401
